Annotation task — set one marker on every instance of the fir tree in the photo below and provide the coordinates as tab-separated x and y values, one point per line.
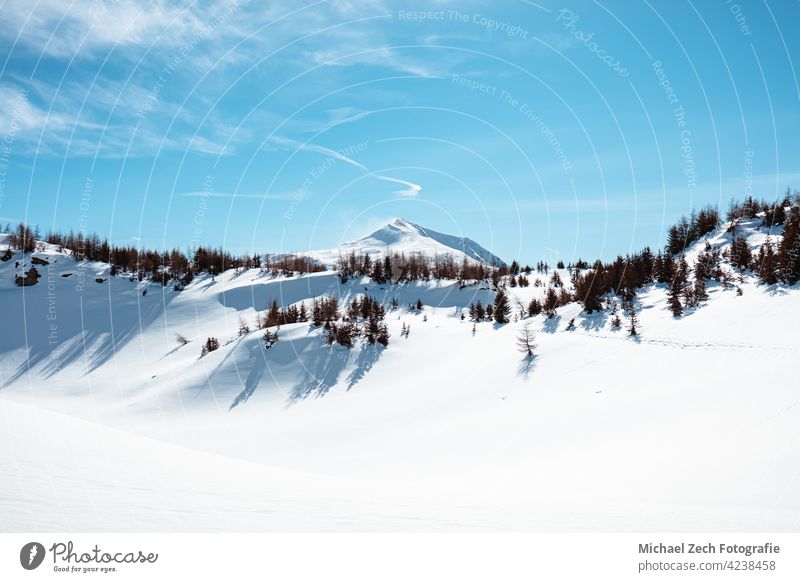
700	293
789	249
502	308
550	302
383	335
674	298
270	338
767	263
273	317
740	253
377	273
211	344
534	307
633	322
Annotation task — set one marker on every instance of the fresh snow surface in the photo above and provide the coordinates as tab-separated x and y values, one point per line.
109	425
402	236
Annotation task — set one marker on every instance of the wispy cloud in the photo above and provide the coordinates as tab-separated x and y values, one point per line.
410	191
309	147
66	29
140	74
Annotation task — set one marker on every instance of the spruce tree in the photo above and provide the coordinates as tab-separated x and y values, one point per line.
383	335
534	307
273	315
212	344
789	249
674	298
767	263
633	322
502	308
550	302
740	253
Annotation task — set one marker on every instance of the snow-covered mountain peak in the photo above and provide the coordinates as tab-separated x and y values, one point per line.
403	236
404	225
394	231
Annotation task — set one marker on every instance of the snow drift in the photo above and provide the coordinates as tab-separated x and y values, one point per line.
111	424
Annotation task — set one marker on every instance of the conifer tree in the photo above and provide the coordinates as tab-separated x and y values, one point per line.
740	253
550	302
633	322
767	263
270	338
700	293
534	307
587	289
674	298
273	315
526	341
212	344
789	249
377	273
502	308
383	335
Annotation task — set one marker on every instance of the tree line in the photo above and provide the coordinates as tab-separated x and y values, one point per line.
162	267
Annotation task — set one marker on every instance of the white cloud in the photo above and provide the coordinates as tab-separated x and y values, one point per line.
146	77
292	144
20	117
411	190
62	28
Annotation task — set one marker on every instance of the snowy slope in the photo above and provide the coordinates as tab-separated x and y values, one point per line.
690	427
401	236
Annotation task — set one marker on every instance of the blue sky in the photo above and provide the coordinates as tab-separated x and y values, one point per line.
542	130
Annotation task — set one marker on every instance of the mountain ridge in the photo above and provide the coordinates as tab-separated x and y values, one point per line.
403	236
